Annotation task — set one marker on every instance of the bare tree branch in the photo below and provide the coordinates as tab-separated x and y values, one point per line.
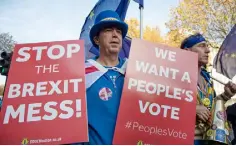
6	42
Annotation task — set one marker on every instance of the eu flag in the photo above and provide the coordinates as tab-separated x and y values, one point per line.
120	6
225	60
140	2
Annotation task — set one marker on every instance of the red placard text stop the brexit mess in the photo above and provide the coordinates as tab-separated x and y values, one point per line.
158	104
44	100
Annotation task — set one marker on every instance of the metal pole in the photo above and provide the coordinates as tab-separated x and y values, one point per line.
141	22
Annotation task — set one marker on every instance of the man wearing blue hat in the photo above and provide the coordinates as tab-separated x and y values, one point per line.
105	77
206	93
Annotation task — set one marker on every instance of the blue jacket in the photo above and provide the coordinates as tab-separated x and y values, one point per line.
103	88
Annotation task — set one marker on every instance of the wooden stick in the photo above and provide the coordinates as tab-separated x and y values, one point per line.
217	80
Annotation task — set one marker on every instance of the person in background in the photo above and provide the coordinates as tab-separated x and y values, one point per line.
206	93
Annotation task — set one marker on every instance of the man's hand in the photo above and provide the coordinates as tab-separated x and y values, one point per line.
230	91
203	113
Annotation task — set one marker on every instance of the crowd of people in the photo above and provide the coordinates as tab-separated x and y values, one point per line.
108	71
107	34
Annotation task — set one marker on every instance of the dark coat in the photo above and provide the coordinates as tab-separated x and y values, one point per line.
231	115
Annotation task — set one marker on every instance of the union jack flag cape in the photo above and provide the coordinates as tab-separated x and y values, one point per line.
94	70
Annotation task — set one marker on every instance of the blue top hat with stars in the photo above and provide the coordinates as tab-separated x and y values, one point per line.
105	19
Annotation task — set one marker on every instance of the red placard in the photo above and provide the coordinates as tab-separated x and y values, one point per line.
158	104
44	100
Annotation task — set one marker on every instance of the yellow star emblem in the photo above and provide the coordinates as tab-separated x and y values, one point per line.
91	14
